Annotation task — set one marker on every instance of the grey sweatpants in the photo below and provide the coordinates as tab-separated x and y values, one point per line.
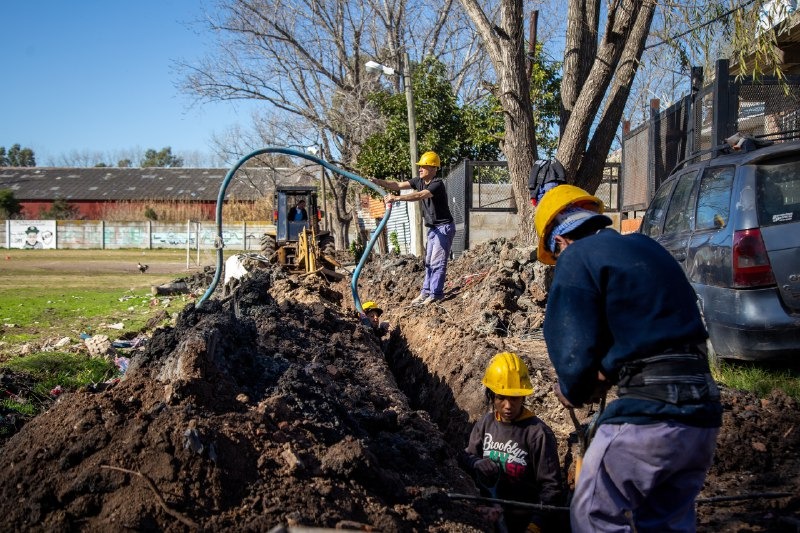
642	478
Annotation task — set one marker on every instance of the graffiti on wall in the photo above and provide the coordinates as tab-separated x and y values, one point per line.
32	234
70	234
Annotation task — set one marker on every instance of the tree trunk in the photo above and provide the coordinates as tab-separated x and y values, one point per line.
343	217
572	148
505	44
591	170
583	19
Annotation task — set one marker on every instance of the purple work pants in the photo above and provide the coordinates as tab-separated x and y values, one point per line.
642	478
437	251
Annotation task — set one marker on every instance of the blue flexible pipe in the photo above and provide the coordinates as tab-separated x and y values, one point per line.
219	244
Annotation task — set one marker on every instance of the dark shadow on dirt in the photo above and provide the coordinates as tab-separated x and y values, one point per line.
427	391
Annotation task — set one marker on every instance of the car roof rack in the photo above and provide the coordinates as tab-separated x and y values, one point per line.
740	142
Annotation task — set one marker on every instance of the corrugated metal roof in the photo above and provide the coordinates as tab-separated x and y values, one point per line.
107	183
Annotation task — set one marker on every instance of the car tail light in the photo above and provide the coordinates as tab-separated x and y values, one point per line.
275	216
751	266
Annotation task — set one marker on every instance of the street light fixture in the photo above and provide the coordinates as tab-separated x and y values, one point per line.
416	215
377	68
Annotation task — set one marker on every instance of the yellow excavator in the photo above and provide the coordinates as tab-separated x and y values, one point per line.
297	241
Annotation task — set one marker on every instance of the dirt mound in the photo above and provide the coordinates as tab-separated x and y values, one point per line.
274	405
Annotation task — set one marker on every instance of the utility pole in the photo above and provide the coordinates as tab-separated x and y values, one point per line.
415	218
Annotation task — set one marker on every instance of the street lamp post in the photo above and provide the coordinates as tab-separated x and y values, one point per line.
317	150
415	211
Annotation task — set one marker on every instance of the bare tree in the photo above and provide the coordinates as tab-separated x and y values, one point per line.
598	73
505	43
604	89
305	60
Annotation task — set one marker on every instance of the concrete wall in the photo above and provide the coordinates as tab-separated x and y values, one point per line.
487	225
99	234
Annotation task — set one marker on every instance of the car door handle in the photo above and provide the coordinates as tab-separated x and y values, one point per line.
680	257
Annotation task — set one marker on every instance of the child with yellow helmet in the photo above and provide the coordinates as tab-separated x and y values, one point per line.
511	452
373	313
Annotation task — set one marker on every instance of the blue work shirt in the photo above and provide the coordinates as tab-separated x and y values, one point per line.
614	299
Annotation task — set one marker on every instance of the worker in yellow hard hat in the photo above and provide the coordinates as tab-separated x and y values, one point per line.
430	190
620	311
511	452
373	313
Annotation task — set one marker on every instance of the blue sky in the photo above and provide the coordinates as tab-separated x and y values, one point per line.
98	76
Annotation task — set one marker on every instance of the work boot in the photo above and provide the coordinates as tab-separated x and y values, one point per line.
432	300
418	300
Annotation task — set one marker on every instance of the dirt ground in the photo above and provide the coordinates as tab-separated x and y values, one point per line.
274	405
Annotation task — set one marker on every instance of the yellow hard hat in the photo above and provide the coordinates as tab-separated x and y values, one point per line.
507	375
429	159
553	202
372	306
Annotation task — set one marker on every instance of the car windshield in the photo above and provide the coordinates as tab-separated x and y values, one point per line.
778	186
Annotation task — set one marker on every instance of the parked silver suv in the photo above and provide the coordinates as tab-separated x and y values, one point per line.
733	223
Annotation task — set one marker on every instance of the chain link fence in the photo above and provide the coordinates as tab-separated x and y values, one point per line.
696	126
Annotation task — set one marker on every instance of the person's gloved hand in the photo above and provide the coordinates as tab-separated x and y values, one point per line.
487	468
491	514
601	388
533	528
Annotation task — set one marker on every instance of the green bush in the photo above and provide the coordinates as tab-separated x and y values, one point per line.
357	249
394	243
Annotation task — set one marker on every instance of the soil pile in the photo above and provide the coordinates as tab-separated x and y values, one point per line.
275	406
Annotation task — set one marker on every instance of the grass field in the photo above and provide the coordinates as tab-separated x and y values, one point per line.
51	294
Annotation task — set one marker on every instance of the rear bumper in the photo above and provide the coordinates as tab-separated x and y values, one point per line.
749	324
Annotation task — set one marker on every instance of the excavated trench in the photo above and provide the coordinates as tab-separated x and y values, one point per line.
493	302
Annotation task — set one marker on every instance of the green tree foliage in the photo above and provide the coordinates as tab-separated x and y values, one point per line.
16	156
9	205
124	163
163	158
546	99
60	210
453	132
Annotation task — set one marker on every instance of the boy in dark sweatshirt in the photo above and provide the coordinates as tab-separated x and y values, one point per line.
511	453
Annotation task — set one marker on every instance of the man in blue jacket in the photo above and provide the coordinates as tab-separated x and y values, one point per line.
621	312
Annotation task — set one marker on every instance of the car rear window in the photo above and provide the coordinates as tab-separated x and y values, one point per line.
679	214
778	191
714	198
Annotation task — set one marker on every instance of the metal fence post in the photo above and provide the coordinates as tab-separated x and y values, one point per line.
721	123
653	133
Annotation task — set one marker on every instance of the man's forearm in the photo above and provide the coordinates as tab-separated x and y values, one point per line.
386	184
414	196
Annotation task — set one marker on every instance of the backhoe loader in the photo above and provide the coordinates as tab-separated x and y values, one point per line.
297	241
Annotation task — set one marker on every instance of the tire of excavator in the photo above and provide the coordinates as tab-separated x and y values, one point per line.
327	245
